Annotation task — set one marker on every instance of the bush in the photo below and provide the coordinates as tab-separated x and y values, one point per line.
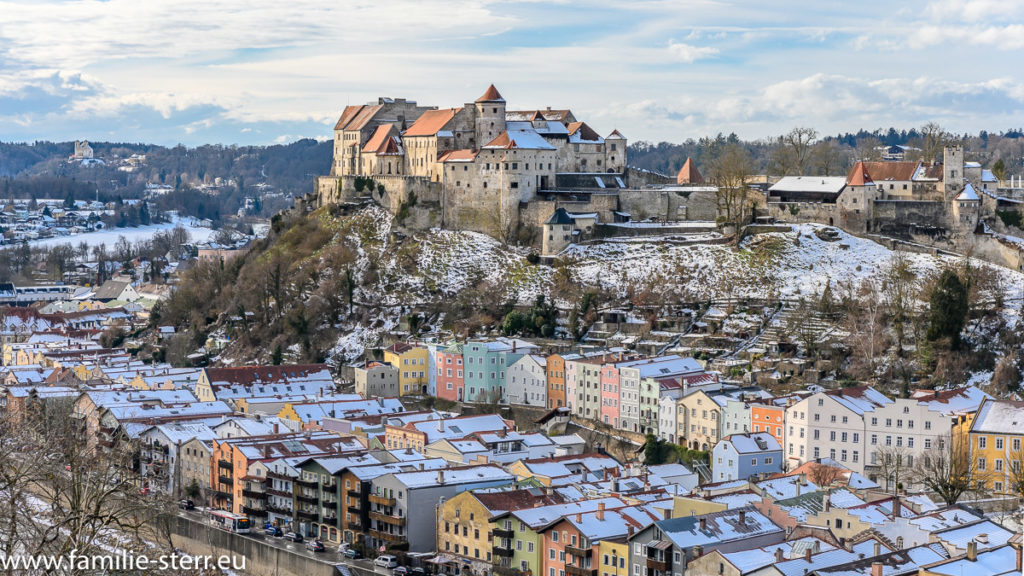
533	258
1010	217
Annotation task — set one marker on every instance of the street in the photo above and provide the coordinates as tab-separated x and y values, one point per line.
363	566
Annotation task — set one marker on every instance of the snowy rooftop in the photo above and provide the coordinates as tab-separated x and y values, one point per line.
754	443
830	184
999	416
453	476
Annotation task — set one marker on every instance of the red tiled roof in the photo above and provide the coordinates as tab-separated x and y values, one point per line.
502	141
511	500
689	174
617	134
390	147
400	347
431	121
882	171
491	95
858	176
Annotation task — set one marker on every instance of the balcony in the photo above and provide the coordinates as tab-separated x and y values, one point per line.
254	494
660	565
579	571
503	552
355	526
580	552
333	519
280	493
393	520
250	511
381	500
354	510
279	476
397	538
224	464
306	483
307	499
279	509
306	515
354	494
502	533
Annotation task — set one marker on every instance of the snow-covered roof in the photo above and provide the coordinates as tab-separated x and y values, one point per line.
830	184
993	562
453	476
997	416
968	194
755	443
720	527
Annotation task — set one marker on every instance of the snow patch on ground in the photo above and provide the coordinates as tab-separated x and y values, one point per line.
109	237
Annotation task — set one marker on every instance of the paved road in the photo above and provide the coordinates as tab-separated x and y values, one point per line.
362	567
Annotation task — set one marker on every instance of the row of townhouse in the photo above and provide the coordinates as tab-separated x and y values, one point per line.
785	526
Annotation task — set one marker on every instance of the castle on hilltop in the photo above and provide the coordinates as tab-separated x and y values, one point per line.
478	167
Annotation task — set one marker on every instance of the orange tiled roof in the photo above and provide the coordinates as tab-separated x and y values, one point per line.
491	95
859	176
360	120
378	139
689	174
431	121
502	141
347	115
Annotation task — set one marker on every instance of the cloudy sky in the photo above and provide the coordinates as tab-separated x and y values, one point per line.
256	71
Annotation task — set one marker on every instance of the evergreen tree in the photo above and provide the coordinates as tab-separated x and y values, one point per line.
948	305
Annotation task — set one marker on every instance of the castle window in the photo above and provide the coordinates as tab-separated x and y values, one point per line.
613	149
495	110
485	184
465	168
515	184
515	165
492	124
488	165
598	162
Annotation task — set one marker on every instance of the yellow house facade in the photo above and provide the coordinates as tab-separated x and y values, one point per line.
994	442
613	557
464	530
411	362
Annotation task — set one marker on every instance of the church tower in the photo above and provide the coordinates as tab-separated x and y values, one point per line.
490	116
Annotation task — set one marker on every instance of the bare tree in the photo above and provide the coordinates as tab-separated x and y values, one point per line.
731	170
867	149
823	475
868	338
793	150
932	141
894	464
898	288
949	471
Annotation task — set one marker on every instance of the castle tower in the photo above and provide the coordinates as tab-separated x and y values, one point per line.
557	233
952	171
615	152
490	116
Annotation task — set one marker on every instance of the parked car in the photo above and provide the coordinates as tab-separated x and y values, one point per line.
417	572
386	561
273	531
315	546
293	536
186	504
351	553
400	571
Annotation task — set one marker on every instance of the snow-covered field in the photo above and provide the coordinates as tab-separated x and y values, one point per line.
110	237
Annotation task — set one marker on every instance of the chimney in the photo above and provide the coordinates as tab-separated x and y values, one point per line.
440	477
703	523
797	488
275	427
600	511
972	551
440	425
876	569
579	517
698	551
743	517
630	530
826	502
803	479
1018	549
878	549
807	555
895	507
779	555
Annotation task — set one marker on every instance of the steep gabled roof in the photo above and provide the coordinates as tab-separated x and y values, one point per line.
688	174
464	155
560	217
491	95
858	176
431	122
347	115
583	133
615	135
897	171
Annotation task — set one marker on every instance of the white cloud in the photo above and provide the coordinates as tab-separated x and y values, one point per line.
689	53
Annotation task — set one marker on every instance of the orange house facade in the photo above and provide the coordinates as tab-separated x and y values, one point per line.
768	418
555	369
